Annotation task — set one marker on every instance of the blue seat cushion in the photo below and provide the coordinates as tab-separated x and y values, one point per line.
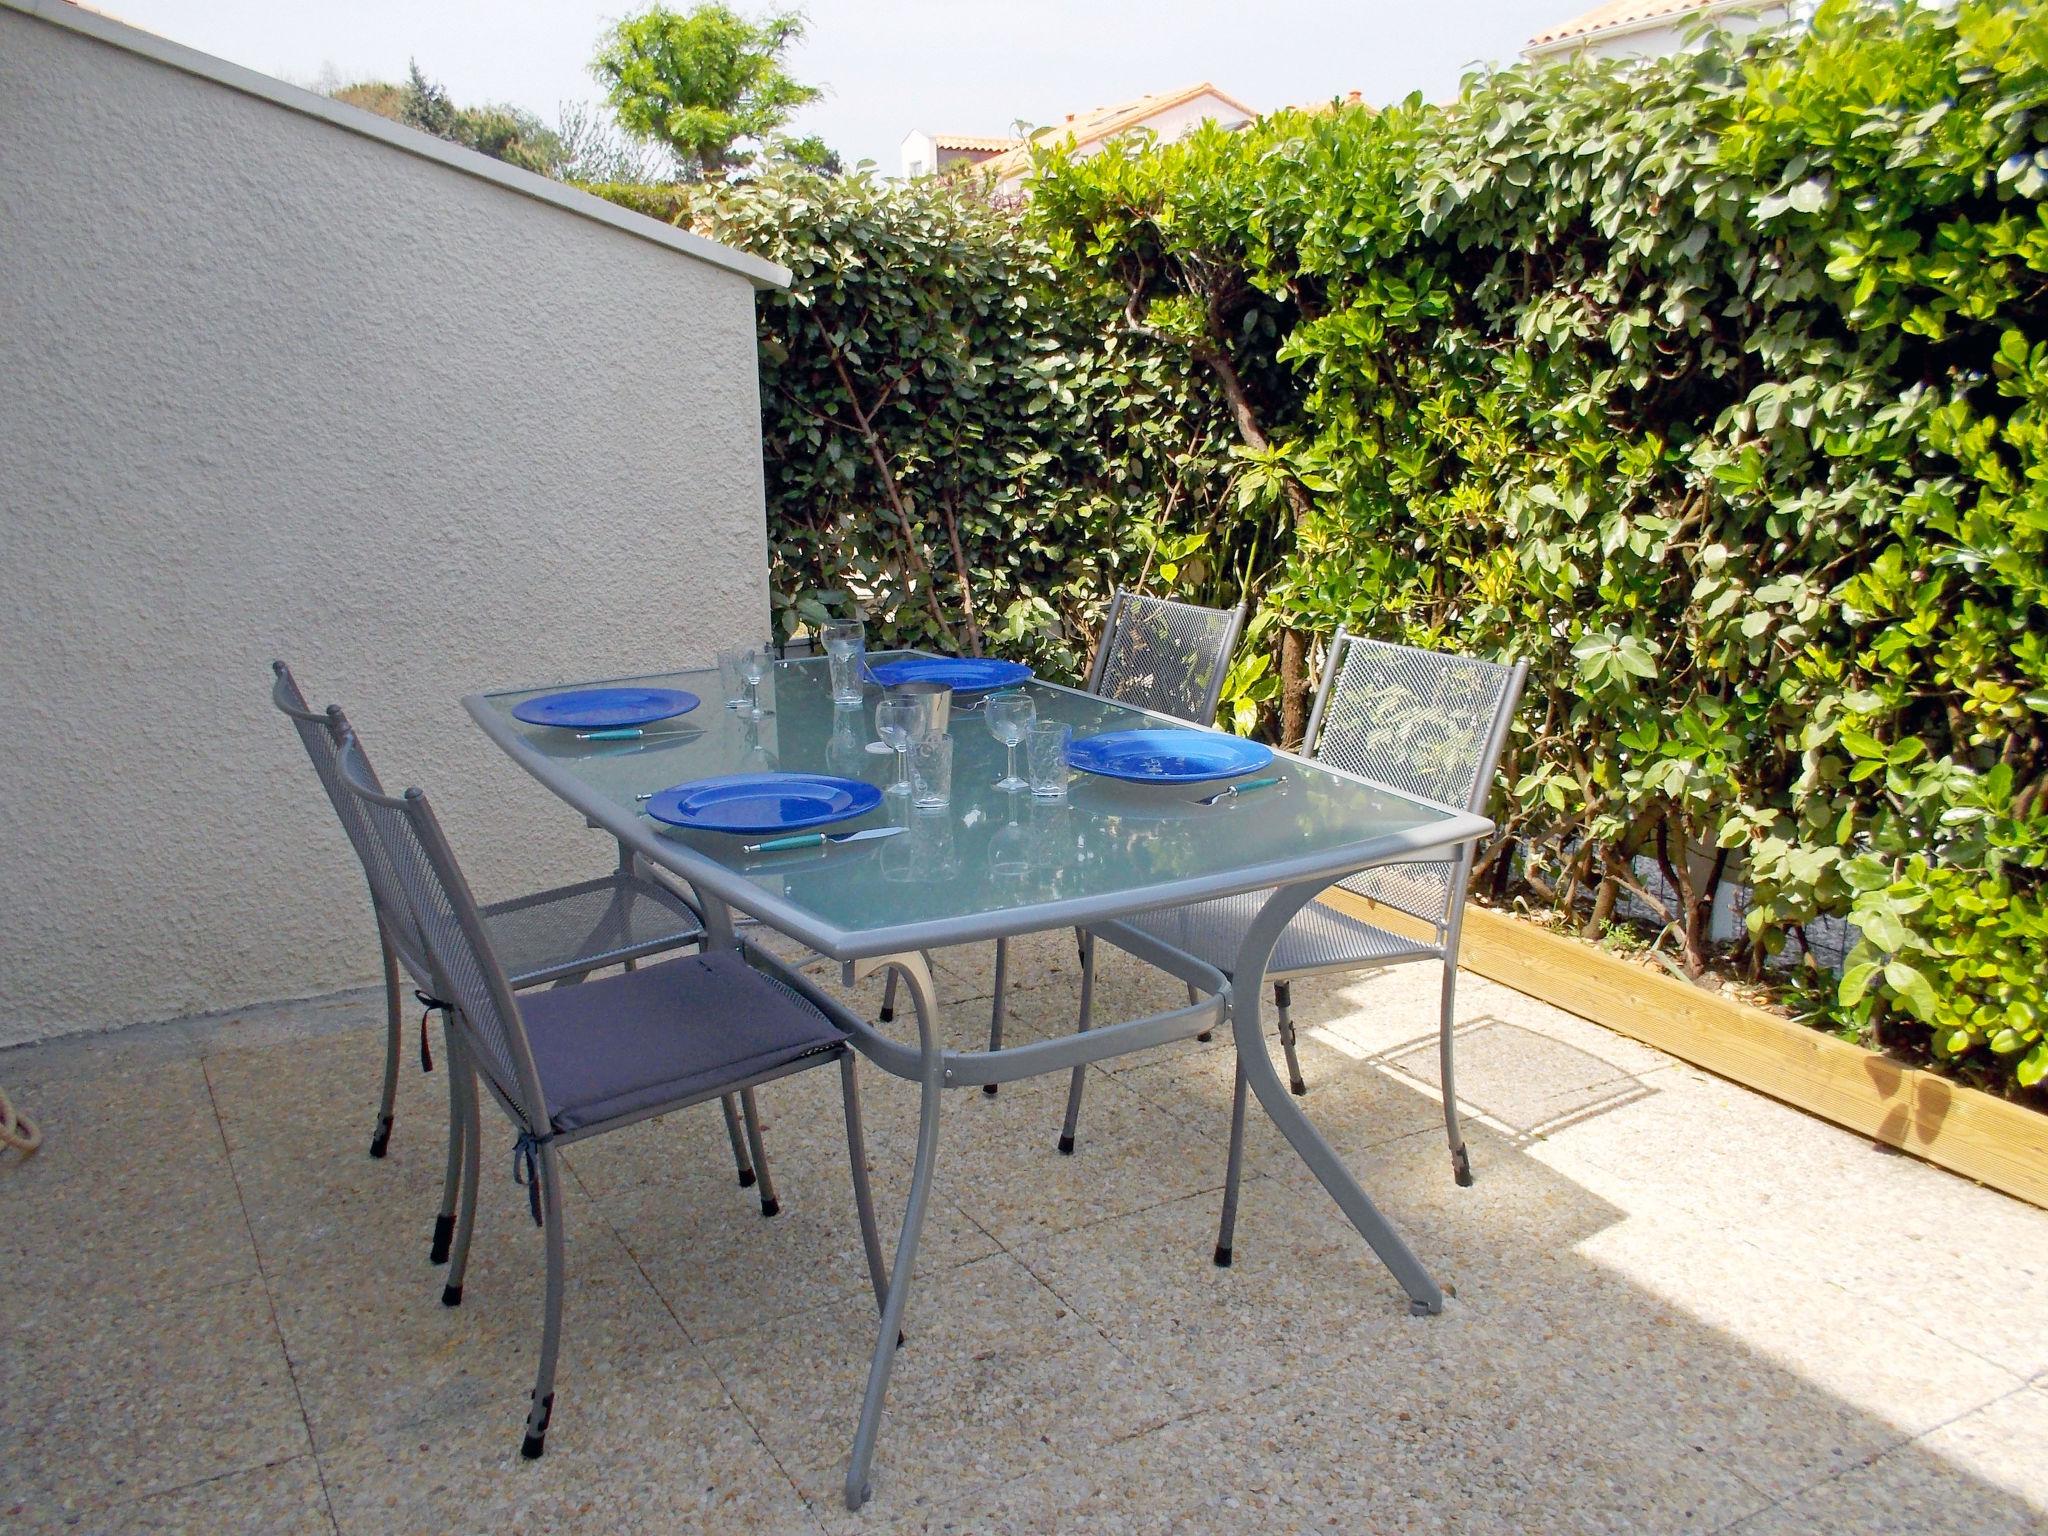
666	1034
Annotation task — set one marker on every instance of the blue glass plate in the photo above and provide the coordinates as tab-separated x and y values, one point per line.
963	674
764	802
596	709
1168	757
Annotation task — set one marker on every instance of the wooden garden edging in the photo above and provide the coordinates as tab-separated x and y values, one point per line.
1956	1127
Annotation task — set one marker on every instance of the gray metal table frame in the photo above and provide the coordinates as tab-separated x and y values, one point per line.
1215	999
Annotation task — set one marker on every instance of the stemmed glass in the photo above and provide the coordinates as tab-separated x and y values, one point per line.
1009	717
755	660
895	720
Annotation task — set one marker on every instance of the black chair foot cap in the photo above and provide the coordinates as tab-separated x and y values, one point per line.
451	1295
1298	1088
1067	1145
1206	1036
444	1230
899	1338
990	1089
746	1178
771	1207
532	1446
887	1015
1222	1257
380	1140
1461	1168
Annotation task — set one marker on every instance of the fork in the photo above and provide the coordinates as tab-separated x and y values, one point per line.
1235	789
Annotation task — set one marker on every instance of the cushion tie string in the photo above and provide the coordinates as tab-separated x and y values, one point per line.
526	1169
432	1005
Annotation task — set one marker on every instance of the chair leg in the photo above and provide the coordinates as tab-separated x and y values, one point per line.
394	1028
451	1174
995	1007
1195	996
1226	1231
751	1113
737	1137
551	1328
863	1190
889	999
472	1156
1461	1161
1283	1003
1086	943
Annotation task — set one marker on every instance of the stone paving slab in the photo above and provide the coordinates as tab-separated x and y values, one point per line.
1674	1305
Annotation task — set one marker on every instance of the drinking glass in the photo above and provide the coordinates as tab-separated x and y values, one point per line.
1009	854
895	721
755	663
846	644
931	772
730	677
1046	753
1009	717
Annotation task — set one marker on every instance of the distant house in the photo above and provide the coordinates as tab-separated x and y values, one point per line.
924	153
1168	114
1645	29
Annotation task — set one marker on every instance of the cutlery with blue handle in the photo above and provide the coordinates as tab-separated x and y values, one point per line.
630	733
814	839
1236	789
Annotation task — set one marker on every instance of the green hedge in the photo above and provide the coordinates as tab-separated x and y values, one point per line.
1714	386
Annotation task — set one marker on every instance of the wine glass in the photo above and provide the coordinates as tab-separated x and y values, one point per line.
1009	717
895	720
755	660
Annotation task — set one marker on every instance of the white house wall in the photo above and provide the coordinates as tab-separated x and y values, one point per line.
270	387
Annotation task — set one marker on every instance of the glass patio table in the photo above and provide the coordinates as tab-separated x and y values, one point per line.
995	865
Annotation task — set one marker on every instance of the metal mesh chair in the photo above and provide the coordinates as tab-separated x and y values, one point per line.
1159	655
1428	723
544	938
576	1062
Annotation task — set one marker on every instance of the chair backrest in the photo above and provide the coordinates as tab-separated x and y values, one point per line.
444	914
321	732
1430	723
1166	656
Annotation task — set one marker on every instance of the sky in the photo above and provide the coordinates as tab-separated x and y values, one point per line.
888	66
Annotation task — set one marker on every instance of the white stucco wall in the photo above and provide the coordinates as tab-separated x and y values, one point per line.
270	387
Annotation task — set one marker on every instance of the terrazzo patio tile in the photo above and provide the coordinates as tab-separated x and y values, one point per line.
999	1163
638	1450
106	1399
131	1194
1466	1446
1151	1484
29	1064
286	1499
1291	1304
1980	1474
724	1269
1750	1370
1353	1106
298	1019
378	1358
998	1377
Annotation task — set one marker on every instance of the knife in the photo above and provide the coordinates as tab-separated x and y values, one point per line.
813	839
1236	789
628	733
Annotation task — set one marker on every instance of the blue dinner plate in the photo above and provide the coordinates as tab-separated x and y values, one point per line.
764	802
962	674
597	709
1167	757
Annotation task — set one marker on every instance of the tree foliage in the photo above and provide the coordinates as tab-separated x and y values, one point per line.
1715	386
707	82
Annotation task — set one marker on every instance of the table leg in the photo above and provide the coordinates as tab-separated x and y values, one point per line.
1247	982
931	1087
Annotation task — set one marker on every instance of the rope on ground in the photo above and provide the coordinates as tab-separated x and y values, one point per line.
16	1129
